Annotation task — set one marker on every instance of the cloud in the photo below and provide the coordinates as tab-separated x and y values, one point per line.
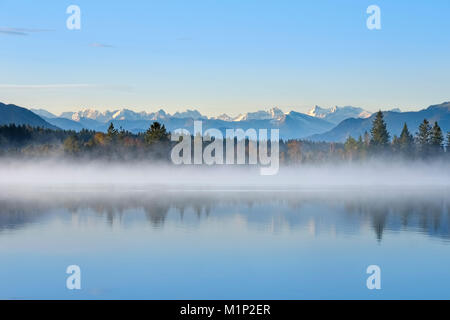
44	86
100	45
20	31
66	86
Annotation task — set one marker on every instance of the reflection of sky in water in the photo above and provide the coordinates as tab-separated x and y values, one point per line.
212	245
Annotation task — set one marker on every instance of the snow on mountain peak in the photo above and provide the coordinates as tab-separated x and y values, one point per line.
194	114
223	117
337	114
318	112
276	113
272	114
334	114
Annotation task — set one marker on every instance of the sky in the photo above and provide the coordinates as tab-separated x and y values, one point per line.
230	56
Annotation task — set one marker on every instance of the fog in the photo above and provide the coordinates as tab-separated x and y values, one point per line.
59	174
335	211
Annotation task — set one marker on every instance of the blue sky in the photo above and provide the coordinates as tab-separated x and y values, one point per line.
224	56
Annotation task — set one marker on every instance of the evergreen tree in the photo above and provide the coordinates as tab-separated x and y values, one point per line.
112	132
423	138
380	135
406	141
111	136
436	138
156	133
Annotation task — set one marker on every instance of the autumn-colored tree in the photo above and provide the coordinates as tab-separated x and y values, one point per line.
71	145
351	148
294	151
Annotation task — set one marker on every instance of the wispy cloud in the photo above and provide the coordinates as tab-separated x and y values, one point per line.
100	45
45	86
67	86
20	31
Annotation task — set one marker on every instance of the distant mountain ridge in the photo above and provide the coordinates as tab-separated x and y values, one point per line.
12	114
394	121
318	125
292	125
337	114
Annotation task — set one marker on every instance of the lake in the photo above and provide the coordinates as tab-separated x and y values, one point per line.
225	243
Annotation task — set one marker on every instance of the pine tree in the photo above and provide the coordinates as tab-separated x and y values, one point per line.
423	138
380	135
406	141
111	135
436	138
156	133
112	132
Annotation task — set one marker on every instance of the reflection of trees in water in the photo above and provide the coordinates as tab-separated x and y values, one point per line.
156	214
379	223
411	211
14	213
429	214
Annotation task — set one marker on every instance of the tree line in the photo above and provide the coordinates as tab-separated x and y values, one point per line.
120	144
155	144
428	141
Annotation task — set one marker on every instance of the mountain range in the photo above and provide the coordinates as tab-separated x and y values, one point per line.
318	124
291	125
10	113
337	114
394	122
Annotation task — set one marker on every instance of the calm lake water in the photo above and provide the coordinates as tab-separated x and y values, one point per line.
225	244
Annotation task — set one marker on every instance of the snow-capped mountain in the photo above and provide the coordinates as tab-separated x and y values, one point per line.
337	114
223	117
319	124
161	115
272	114
394	122
127	114
291	125
89	114
193	114
105	116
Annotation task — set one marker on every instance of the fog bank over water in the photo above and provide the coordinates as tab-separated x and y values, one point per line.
129	175
342	211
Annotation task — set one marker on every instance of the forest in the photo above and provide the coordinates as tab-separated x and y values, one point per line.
19	141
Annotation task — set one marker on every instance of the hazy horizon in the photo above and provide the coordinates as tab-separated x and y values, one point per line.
219	113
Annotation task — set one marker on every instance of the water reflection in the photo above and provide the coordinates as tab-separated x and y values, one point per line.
334	211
